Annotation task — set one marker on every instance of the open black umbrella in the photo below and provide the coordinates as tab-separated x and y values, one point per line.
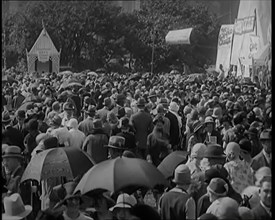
117	174
69	162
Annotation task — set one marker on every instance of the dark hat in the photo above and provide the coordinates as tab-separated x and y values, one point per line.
239	117
6	117
226	118
209	119
66	191
91	110
56	121
197	125
97	123
160	108
245	145
128	154
124	122
116	142
215	171
218	187
266	134
252	130
120	97
51	142
21	114
141	102
107	101
214	151
68	106
152	94
158	118
182	175
164	102
12	151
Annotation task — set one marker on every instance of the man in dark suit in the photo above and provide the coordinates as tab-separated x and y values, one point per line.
263	210
174	138
11	135
142	122
264	157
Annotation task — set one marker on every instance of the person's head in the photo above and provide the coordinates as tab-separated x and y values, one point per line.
217	188
158	122
56	106
15	208
232	151
265	139
198	127
260	174
160	109
12	157
245	213
49	214
116	146
265	191
20	116
246	149
152	96
122	209
72	124
197	151
182	176
227	209
209	124
68	108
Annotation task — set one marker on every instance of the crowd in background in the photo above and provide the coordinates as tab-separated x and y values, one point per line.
224	124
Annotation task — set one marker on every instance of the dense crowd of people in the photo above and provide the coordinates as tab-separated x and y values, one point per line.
224	125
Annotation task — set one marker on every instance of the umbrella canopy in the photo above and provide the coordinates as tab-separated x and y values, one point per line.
66	72
171	161
68	162
92	74
74	84
24	105
119	173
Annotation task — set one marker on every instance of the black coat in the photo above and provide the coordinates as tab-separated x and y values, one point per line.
260	213
13	136
174	129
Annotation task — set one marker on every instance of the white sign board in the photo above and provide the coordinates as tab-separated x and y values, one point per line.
224	47
179	36
43	55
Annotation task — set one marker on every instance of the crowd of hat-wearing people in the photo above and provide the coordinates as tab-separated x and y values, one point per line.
223	125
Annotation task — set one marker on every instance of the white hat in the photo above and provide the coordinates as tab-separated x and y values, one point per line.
124	201
14	208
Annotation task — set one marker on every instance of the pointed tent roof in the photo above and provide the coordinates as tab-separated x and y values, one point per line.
43	42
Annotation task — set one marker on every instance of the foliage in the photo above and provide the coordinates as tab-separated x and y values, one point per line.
92	34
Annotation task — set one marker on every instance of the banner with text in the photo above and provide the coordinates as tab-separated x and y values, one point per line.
224	47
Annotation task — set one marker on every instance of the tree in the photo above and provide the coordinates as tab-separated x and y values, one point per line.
160	16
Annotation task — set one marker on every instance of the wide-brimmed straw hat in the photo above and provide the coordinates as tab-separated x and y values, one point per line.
15	208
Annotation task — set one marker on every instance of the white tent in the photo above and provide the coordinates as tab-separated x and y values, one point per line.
43	55
254	19
179	36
